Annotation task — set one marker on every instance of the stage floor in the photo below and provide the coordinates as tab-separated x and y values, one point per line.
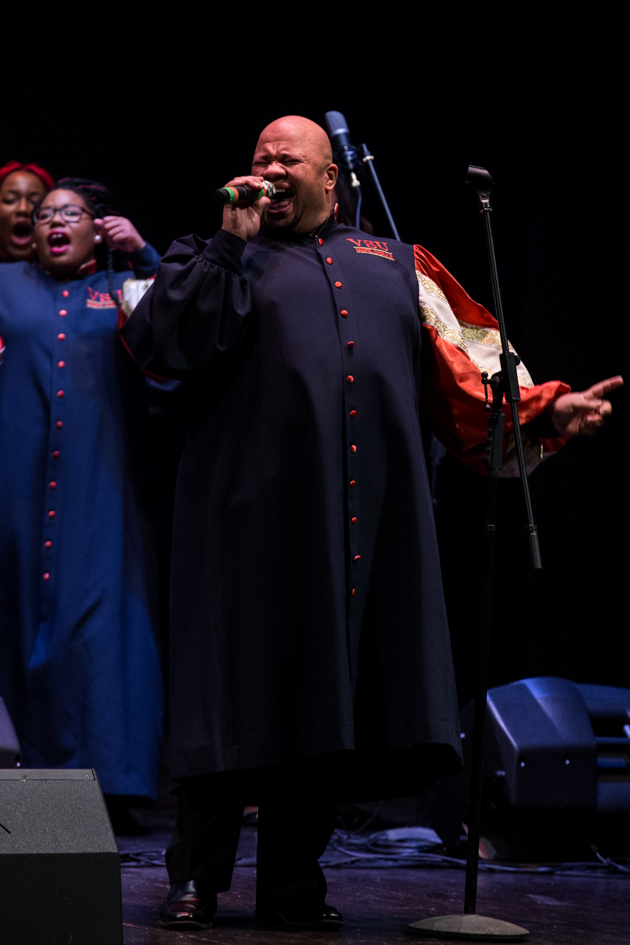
378	904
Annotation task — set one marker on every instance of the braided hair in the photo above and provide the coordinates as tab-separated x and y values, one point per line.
102	203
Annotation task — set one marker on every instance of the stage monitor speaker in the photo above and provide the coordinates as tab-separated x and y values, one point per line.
556	773
59	864
10	752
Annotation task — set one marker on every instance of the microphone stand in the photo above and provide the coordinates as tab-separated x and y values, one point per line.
437	451
503	384
356	163
368	160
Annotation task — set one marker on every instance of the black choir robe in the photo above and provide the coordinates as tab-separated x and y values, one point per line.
308	618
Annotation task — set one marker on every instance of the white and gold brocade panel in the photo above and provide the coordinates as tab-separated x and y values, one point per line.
132	292
480	343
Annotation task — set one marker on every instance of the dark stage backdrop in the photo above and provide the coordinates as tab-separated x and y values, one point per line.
166	108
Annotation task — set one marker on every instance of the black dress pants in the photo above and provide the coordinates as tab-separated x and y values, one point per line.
296	819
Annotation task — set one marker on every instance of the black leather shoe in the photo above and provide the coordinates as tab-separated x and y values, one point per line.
298	911
189	905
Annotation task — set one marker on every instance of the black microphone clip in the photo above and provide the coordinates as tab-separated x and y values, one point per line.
479	178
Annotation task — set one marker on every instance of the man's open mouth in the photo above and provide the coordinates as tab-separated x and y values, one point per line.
280	202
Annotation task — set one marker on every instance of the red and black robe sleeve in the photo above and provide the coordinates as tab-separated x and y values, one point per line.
461	339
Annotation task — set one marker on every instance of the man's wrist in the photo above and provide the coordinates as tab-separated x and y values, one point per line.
227	229
542	427
225	250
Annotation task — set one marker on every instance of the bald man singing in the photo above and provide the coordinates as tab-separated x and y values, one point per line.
310	659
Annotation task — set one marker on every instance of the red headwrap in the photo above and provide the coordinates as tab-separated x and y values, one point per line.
43	175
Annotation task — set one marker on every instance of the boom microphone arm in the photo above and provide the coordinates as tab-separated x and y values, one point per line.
356	159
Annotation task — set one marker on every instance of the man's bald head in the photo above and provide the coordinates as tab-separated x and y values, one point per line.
294	153
300	132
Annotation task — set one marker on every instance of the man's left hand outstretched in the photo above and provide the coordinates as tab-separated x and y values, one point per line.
583	412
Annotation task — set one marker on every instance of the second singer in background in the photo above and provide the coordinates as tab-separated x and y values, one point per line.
79	671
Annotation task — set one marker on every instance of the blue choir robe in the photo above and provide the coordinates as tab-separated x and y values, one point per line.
79	665
308	619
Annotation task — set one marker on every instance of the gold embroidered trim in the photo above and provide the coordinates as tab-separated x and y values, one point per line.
431	287
483	336
492	339
429	317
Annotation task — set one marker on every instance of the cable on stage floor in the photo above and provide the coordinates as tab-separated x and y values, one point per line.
142	858
406	847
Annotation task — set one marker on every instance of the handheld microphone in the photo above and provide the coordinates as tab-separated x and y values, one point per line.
337	128
243	194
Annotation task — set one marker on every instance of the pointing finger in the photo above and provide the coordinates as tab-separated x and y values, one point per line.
604	387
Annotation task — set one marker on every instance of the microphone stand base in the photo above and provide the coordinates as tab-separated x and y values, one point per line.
470	928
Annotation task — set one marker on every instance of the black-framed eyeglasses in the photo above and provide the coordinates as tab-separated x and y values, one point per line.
70	213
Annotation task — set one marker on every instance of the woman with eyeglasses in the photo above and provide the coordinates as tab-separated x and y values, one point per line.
79	667
21	187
